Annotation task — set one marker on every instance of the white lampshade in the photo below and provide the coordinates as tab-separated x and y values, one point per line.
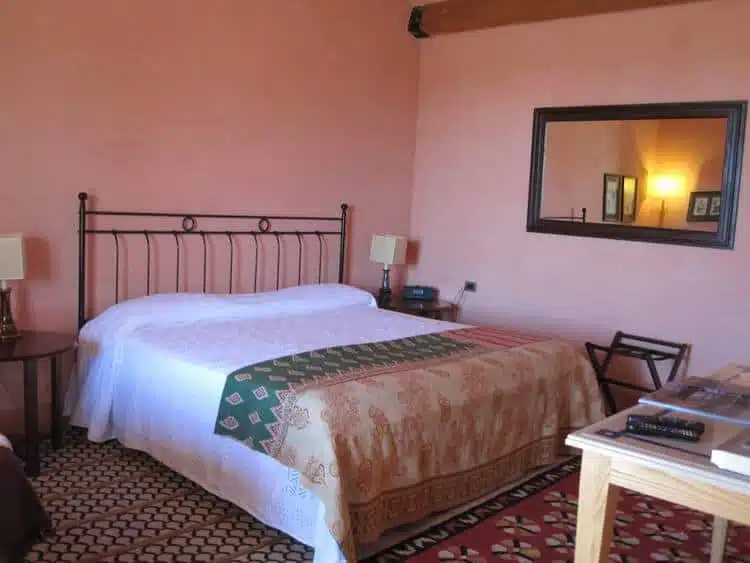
12	263
388	249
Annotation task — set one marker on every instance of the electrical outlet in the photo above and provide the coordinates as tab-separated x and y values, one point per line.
470	286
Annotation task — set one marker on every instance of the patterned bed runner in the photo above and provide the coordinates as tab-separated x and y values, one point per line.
258	400
385	433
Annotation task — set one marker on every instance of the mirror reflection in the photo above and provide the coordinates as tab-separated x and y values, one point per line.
663	173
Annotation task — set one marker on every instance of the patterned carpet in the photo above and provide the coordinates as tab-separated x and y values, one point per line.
116	505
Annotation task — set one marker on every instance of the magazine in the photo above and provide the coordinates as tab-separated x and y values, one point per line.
724	395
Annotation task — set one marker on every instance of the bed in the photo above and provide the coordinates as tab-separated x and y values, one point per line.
392	443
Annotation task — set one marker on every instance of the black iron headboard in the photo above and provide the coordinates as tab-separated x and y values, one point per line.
188	225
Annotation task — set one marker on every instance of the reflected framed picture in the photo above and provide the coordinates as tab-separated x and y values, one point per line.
612	198
704	206
629	198
714	207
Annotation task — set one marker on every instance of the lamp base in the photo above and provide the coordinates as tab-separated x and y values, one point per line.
384	297
8	329
384	293
662	212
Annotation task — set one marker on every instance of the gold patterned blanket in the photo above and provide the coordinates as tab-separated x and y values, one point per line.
386	433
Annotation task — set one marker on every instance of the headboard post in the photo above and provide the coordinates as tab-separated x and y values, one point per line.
82	198
342	241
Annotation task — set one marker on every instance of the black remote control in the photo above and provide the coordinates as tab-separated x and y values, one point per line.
665	427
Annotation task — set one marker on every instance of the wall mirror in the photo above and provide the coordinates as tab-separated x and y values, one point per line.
666	173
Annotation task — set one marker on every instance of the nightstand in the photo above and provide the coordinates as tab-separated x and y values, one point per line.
440	310
28	349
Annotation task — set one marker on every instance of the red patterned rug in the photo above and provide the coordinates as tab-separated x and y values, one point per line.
536	522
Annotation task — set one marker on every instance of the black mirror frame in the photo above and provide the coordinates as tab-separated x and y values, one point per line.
735	113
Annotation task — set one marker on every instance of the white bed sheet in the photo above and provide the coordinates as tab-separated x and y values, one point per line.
151	372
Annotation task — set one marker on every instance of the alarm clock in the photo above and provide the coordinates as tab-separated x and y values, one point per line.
419	293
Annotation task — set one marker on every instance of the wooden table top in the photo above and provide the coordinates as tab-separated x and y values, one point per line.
608	437
35	344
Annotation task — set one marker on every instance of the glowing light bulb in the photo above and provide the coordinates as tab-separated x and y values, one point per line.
667	185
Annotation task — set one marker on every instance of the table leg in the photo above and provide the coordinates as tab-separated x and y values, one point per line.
31	416
597	502
719	539
56	422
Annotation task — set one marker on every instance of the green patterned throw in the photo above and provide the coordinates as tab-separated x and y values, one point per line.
258	402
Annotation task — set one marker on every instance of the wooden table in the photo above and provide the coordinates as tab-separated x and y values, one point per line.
672	470
31	347
439	310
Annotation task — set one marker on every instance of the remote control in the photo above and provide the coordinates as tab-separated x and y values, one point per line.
665	427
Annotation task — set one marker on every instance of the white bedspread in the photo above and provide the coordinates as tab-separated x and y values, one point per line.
151	372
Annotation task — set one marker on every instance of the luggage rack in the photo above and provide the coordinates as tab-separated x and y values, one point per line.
649	350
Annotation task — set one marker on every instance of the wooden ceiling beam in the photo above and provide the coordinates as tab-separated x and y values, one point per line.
453	16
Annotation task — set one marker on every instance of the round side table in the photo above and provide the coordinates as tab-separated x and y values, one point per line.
31	347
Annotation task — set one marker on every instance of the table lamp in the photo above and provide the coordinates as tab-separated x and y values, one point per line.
12	267
388	250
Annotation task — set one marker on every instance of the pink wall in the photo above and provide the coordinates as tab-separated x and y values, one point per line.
577	155
476	96
266	106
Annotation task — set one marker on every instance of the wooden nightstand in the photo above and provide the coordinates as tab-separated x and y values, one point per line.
440	310
31	347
